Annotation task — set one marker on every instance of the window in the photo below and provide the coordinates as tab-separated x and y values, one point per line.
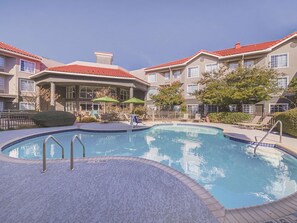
193	108
152	78
85	106
191	88
279	61
279	107
2	62
176	74
167	76
88	92
233	108
211	68
113	92
70	92
1	106
70	106
27	106
193	72
210	108
27	85
248	63
282	82
124	94
233	66
27	66
2	84
248	108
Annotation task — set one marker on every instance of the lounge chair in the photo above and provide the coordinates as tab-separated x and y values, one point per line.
185	118
197	118
127	117
262	125
136	121
255	120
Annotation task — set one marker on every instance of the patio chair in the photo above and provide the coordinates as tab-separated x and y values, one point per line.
197	118
127	117
255	120
185	118
264	124
136	121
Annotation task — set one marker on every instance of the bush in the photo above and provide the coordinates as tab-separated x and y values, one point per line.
88	119
289	120
139	111
229	117
53	118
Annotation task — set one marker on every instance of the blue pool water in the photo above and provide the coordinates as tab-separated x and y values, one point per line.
226	168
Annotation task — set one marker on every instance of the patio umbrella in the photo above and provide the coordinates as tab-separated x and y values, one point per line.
133	101
105	99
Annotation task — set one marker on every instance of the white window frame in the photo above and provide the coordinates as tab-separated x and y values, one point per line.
246	61
277	104
70	106
198	74
251	108
27	103
211	64
152	89
150	75
167	76
28	80
26	71
189	94
124	94
279	54
70	90
233	69
287	77
179	76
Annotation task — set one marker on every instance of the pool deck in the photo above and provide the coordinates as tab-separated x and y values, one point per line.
106	193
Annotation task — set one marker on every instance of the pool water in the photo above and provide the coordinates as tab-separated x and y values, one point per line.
226	168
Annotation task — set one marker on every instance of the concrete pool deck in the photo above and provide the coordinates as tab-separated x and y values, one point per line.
25	198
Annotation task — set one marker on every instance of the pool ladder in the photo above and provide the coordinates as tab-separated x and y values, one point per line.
59	144
270	130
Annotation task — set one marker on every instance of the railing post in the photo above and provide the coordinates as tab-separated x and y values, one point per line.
72	148
44	157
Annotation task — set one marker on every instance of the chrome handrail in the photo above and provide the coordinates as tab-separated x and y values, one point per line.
72	147
270	130
44	150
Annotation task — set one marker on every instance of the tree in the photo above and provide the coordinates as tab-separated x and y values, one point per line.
241	86
169	95
291	92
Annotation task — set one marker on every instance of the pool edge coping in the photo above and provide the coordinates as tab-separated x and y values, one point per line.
214	206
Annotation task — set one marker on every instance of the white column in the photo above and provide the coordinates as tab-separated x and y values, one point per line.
53	101
37	92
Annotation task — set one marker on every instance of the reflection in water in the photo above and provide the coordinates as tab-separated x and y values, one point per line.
226	168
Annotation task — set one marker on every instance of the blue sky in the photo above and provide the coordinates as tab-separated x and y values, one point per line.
141	33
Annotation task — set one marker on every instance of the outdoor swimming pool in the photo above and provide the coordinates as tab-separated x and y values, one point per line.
226	168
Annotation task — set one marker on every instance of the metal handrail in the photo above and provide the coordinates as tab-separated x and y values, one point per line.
44	150
270	130
72	147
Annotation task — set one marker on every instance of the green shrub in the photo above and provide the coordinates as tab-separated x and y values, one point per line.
289	120
88	119
139	111
229	117
53	118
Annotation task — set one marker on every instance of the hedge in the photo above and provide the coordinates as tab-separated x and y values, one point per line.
53	118
88	119
229	117
289	120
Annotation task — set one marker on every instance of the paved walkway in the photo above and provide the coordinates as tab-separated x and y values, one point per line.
139	191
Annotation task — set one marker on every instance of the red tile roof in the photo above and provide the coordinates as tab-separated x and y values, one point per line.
79	69
228	52
12	49
246	49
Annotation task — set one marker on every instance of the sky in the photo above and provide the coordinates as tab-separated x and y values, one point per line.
141	33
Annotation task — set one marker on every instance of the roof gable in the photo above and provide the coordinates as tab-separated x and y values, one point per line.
14	50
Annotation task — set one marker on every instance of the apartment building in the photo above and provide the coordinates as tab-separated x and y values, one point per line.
279	54
16	66
23	74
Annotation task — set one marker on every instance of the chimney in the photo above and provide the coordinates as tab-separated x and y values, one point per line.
237	45
104	58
